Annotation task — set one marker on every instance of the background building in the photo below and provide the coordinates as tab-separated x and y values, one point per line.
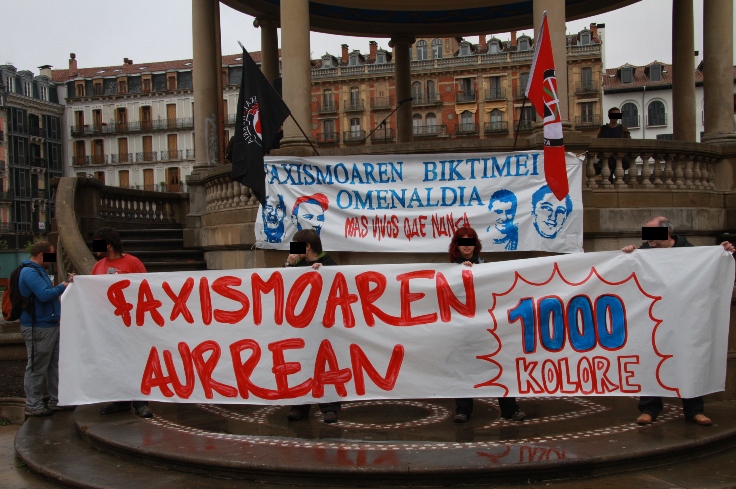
644	95
34	153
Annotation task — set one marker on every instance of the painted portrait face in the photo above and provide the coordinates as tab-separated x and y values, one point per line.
309	215
273	213
502	214
549	215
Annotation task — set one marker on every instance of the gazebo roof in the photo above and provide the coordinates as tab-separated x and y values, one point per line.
386	18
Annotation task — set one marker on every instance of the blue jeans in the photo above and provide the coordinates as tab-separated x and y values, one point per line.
43	365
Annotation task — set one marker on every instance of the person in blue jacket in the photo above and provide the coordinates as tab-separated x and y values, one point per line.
41	332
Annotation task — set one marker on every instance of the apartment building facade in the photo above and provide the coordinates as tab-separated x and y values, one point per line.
33	144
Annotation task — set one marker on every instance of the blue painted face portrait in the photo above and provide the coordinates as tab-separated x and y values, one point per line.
549	213
503	230
273	214
309	212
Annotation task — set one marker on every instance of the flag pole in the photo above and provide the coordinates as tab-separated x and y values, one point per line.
521	114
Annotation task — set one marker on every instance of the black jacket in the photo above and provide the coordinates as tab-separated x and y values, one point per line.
680	242
476	259
323	258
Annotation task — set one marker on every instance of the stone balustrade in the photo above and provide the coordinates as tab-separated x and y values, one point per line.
223	193
117	204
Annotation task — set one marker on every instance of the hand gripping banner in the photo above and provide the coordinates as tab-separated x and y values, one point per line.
654	322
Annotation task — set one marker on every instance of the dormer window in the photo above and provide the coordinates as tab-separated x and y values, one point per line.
627	75
326	63
465	49
585	39
494	48
353	60
380	58
27	91
523	44
655	73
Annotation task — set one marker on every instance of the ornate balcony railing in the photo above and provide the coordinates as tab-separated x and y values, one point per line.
588	120
382	135
328	107
168	155
465	97
135	126
146	156
353	136
466	128
430	130
328	137
587	87
496	94
121	158
495	127
353	105
426	99
381	103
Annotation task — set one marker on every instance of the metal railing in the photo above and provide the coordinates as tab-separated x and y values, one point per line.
189	154
519	92
465	97
429	131
426	99
79	160
97	160
39	162
146	156
586	87
588	120
353	105
22	227
525	126
135	126
496	93
328	137
121	158
174	154
383	135
466	128
37	131
328	107
353	136
495	127
381	103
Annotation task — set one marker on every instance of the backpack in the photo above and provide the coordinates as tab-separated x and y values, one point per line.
14	303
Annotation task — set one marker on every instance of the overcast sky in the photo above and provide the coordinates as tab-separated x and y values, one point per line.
102	33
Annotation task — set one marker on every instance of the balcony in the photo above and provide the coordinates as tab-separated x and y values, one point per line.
426	99
38	193
381	103
519	92
590	120
97	160
146	156
658	120
525	126
39	162
22	227
37	131
79	160
495	94
328	107
121	158
189	154
465	97
496	127
466	129
586	87
382	135
172	154
433	130
87	130
353	105
328	138
353	136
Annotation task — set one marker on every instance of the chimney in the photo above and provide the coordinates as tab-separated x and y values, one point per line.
513	39
483	43
45	70
594	30
125	61
73	64
130	61
373	47
601	29
344	54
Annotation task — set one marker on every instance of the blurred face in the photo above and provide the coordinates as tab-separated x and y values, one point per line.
48	264
614	112
502	214
102	254
549	215
466	251
309	215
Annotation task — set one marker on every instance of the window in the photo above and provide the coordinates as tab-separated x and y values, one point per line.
146	83
326	63
172	179
79	89
10	83
430	91
467	121
328	129
416	92
524	44
146	124
416	121
627	75
586	78
494	90
97	119
586	112
79	119
355	128
630	114
421	50
528	115
97	87
45	93
655	73
437	48
353	60
328	102
666	137
171	81
585	39
523	81
124	178
465	49
122	86
380	58
496	119
494	48
100	175
656	115
27	89
431	123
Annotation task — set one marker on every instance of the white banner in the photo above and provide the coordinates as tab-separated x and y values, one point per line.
654	322
414	203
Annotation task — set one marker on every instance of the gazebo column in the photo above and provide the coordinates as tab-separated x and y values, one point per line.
296	71
557	34
269	47
717	66
402	78
683	71
206	86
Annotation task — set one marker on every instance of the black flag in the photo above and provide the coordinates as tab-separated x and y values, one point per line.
261	112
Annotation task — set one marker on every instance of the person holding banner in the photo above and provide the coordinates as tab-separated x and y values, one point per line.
657	233
465	248
306	251
108	245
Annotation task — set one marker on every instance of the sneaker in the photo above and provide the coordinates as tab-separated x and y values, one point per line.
44	411
519	415
331	417
644	419
295	414
115	407
56	407
461	418
143	412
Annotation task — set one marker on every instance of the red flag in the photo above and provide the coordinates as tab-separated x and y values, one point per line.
542	93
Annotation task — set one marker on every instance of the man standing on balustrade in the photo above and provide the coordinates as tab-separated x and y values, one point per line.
651	406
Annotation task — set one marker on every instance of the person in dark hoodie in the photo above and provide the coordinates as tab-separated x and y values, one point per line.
314	258
469	254
41	332
651	406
